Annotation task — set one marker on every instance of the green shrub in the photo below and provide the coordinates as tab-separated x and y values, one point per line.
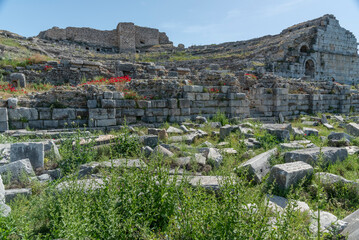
220	117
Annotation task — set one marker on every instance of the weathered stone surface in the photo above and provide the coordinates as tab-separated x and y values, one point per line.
291	145
214	156
162	151
17	169
324	119
149	140
328	126
208	182
259	166
352	230
11	194
311	155
352	150
298	132
280	131
174	130
201	119
353	129
279	204
329	179
147	151
85	185
32	151
2	191
339	139
311	132
12	103
230	151
289	174
18	80
327	221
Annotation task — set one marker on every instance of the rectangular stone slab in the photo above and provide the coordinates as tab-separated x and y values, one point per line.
289	174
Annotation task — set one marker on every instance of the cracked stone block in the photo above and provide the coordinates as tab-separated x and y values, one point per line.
289	174
259	166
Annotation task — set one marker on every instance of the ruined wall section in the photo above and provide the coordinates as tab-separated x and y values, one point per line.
126	37
336	54
146	37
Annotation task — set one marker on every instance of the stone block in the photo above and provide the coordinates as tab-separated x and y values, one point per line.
11	194
172	103
184	103
330	155
105	122
18	80
45	114
353	129
36	124
17	169
189	95
289	174
63	114
100	113
185	111
108	95
4	126
125	103
149	140
3	115
310	131
2	191
144	104
159	103
32	151
259	166
202	96
108	103
23	114
92	103
118	95
51	124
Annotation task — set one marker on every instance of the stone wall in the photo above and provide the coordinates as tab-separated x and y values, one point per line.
127	37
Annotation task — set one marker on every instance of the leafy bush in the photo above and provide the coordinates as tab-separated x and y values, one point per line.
220	117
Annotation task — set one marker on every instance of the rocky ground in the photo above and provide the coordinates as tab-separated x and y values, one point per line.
302	173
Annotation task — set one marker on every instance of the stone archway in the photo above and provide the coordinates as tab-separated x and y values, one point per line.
309	68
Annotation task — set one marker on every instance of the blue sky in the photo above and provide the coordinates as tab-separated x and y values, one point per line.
192	22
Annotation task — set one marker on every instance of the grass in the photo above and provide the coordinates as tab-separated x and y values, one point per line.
150	203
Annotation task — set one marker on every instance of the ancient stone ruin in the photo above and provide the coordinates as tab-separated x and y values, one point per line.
127	37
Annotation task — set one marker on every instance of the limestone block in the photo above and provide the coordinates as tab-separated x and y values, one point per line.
259	166
108	95
92	103
100	113
105	122
189	95
44	114
202	96
2	191
144	104
4	126
353	129
214	156
108	103
159	103
311	156
172	103
36	124
125	103
23	114
3	115
63	114
32	151
174	112
310	131
281	131
11	194
289	174
17	169
51	124
149	140
184	103
18	80
185	111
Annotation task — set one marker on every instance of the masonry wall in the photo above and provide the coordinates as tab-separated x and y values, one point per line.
110	109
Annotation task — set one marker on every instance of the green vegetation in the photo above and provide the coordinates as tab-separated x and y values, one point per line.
151	203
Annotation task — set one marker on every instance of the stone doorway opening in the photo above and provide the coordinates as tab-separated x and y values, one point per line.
309	68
